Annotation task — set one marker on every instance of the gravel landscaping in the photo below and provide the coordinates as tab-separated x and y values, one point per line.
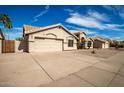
100	53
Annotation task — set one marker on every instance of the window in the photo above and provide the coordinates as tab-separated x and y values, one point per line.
70	43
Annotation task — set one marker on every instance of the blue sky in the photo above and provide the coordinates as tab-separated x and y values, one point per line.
105	21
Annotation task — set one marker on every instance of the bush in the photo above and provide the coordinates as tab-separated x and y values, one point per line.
93	52
120	46
19	39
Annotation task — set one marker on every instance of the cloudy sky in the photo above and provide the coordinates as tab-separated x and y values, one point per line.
105	21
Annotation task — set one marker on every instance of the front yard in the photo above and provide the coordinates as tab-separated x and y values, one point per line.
68	68
100	53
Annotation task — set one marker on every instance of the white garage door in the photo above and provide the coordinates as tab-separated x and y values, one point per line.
106	45
45	45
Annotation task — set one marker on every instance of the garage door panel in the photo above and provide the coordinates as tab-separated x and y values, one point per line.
45	45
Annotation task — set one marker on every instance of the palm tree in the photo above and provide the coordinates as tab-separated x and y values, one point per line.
9	26
5	19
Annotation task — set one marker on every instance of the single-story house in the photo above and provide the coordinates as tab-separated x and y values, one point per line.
84	41
100	43
51	38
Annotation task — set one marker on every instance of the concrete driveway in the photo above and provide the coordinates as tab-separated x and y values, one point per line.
60	69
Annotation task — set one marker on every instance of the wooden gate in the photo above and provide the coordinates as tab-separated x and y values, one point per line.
8	46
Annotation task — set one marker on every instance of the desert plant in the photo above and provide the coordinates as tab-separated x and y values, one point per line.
93	51
89	44
5	19
83	41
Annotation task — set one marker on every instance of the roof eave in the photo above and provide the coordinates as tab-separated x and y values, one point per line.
56	25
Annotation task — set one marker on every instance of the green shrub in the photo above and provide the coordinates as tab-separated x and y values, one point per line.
120	46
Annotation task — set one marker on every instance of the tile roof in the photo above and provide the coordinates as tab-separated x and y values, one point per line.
79	32
32	29
100	39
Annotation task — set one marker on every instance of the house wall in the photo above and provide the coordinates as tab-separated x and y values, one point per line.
103	45
121	43
91	44
86	44
57	33
82	35
98	44
17	46
106	45
21	46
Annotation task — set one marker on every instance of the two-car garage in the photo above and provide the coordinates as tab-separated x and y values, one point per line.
46	45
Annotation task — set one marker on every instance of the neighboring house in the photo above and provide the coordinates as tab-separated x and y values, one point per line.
100	43
50	38
83	41
121	43
89	43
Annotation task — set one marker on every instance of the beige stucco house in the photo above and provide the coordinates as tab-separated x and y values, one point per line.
100	43
83	41
48	39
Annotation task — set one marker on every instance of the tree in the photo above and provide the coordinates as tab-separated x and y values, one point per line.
19	39
9	26
5	19
89	44
83	41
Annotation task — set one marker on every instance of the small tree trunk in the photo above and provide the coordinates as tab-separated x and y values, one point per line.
8	35
4	32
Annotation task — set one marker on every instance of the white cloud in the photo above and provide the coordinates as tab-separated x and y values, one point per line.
68	10
113	7
91	22
105	36
14	28
89	32
116	9
108	7
99	16
82	29
14	32
17	28
41	13
117	38
92	33
85	21
121	14
117	27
